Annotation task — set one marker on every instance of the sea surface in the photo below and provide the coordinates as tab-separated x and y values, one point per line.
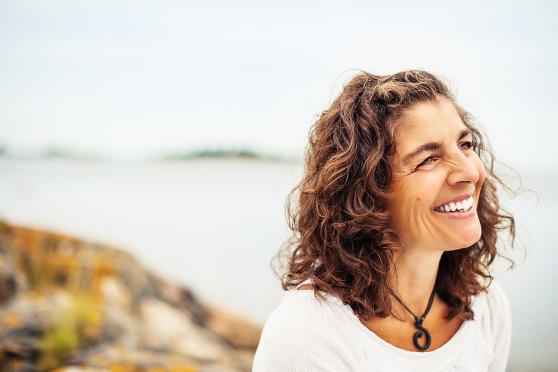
214	225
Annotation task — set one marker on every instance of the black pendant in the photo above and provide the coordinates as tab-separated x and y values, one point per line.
418	334
418	321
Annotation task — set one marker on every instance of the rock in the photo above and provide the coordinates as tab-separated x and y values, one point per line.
8	286
164	327
218	368
120	358
71	305
115	294
8	279
237	330
181	298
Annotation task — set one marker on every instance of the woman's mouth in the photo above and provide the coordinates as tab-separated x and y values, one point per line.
459	210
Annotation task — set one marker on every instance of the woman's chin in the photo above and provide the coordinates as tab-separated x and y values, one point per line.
465	241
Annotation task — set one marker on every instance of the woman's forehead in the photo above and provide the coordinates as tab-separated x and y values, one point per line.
428	121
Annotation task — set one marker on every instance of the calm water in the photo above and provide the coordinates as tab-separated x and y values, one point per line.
214	226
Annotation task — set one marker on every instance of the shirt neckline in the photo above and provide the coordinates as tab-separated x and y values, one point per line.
449	345
446	347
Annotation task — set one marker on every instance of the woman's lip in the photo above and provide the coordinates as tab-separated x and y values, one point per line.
458	215
455	200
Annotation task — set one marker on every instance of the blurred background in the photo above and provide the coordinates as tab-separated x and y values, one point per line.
176	129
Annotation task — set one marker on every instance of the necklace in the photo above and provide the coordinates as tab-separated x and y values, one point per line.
418	322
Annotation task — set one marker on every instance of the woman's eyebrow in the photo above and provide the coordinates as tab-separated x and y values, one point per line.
431	146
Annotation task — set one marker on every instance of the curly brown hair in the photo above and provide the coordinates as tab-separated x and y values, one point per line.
342	237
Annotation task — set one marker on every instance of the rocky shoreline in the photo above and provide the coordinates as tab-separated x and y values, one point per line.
71	305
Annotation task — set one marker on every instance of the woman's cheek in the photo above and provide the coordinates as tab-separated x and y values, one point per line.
427	190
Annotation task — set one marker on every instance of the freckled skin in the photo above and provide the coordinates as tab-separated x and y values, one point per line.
414	193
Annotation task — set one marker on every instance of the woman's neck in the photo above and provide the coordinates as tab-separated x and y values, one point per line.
413	277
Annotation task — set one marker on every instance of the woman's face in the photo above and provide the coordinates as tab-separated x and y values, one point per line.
447	168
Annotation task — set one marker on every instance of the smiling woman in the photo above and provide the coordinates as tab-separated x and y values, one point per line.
395	228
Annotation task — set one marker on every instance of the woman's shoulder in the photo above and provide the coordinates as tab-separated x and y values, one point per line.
493	314
497	296
495	307
306	332
493	300
304	305
309	317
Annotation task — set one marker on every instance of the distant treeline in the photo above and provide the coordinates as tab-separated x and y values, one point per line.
58	152
226	153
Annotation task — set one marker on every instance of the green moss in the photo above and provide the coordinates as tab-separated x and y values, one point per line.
61	340
71	329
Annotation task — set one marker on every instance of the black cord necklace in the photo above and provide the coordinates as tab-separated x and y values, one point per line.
418	322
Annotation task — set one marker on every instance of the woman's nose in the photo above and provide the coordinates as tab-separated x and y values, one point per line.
464	169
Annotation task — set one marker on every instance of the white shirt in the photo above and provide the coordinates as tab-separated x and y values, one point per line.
304	334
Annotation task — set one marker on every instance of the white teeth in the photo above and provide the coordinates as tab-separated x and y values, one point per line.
463	205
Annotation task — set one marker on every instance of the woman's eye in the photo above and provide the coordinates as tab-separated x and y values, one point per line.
427	161
469	144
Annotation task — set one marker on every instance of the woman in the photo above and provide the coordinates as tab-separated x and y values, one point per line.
396	225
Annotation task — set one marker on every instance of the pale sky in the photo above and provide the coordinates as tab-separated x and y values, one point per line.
129	78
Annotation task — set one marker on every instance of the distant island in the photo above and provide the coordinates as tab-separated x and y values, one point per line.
51	152
221	153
